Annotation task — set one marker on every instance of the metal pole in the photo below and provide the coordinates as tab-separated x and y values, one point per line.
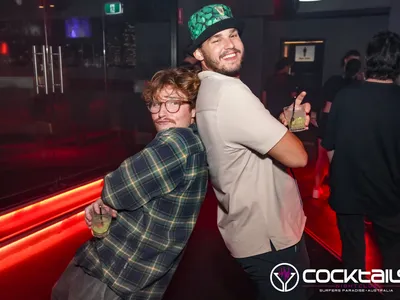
103	22
174	33
35	69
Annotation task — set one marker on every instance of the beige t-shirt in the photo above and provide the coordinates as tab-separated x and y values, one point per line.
259	200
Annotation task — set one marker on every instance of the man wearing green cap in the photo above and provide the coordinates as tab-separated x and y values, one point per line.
260	215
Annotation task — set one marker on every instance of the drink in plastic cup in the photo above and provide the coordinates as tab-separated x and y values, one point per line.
101	223
297	119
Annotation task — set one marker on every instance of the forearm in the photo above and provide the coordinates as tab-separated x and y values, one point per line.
290	151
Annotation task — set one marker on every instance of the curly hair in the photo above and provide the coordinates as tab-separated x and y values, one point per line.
383	56
182	80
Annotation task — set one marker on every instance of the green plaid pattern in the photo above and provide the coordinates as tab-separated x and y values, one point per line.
158	194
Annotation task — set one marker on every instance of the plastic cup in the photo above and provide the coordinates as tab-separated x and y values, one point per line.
101	223
296	119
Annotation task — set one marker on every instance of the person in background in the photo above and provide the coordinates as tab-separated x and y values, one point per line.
155	197
260	215
280	89
351	71
362	138
190	63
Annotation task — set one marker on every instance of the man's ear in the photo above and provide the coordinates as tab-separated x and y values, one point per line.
198	54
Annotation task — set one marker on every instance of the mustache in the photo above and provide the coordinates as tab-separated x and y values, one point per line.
229	51
165	120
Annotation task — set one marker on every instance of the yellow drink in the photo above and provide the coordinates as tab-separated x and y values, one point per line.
101	225
297	119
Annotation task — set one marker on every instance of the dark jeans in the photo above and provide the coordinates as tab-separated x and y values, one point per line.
259	269
387	234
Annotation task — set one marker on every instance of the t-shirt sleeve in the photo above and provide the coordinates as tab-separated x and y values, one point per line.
244	121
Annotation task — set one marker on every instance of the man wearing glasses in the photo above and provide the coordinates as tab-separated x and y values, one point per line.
155	197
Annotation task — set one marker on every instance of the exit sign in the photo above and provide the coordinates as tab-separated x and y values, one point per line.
113	8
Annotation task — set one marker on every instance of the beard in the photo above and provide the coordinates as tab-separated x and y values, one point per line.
213	65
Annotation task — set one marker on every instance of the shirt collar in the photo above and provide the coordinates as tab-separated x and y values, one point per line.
193	127
206	74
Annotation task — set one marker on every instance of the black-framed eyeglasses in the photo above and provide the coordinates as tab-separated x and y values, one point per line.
172	106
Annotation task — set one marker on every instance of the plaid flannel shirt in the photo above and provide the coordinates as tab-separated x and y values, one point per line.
158	194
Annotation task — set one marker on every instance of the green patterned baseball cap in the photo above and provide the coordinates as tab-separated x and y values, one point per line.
210	20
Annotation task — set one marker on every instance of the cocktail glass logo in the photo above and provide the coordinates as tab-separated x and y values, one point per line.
284	277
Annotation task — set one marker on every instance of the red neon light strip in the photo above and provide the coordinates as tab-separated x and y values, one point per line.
26	218
4	48
27	247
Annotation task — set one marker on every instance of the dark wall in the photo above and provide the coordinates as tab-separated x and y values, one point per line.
394	19
253	62
153	47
